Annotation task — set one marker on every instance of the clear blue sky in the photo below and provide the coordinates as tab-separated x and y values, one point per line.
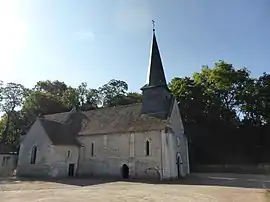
97	40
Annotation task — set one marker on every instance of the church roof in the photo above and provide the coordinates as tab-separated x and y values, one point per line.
58	133
156	75
119	119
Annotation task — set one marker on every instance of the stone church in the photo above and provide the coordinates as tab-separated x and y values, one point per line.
134	141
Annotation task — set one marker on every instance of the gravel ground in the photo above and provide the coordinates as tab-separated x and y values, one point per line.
201	187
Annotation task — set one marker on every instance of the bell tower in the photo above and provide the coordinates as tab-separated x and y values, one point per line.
156	96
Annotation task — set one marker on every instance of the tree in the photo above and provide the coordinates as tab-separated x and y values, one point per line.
70	98
12	97
212	103
255	101
54	87
133	98
40	103
83	91
263	84
112	92
88	98
15	128
92	100
190	98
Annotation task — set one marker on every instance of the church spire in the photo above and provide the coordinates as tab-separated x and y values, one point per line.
156	76
156	96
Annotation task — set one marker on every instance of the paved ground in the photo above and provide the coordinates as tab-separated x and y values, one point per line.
197	187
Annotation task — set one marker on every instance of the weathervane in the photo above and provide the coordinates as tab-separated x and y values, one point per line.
154	26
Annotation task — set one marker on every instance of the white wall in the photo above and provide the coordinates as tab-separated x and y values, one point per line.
51	160
143	162
111	151
178	131
60	160
35	137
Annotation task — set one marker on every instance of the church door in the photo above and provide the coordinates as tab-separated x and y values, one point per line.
125	171
179	163
71	170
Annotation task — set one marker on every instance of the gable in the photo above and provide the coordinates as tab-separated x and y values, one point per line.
175	118
36	135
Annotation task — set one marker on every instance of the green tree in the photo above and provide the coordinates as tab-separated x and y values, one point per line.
255	101
88	98
39	103
70	97
12	97
112	92
54	87
190	98
15	128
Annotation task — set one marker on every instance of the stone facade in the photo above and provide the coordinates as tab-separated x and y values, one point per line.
61	159
138	141
112	151
105	154
35	137
51	160
180	140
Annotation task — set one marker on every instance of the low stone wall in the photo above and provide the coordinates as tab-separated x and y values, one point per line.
239	169
7	164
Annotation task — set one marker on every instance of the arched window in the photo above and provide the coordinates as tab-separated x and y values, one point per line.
92	149
68	153
178	141
147	148
33	155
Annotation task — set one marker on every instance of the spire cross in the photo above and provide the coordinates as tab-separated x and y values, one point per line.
154	26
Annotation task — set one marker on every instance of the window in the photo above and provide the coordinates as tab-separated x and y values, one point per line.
147	148
33	155
68	153
92	149
178	141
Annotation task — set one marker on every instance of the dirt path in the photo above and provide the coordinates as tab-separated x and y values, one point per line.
39	191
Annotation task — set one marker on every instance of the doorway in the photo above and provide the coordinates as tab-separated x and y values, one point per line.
125	171
179	163
71	170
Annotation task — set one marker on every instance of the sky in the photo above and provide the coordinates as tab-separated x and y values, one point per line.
94	41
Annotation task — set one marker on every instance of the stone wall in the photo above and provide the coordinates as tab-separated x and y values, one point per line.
35	137
181	144
111	151
61	158
7	164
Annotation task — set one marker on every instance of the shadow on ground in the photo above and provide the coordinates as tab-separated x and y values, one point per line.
68	181
224	180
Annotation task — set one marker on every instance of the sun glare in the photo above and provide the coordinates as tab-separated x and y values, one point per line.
12	35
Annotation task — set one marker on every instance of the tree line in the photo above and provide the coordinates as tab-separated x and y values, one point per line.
226	111
20	106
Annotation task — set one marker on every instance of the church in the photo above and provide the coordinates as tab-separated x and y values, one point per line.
145	140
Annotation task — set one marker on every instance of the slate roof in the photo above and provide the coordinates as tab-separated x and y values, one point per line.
156	75
59	133
109	120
